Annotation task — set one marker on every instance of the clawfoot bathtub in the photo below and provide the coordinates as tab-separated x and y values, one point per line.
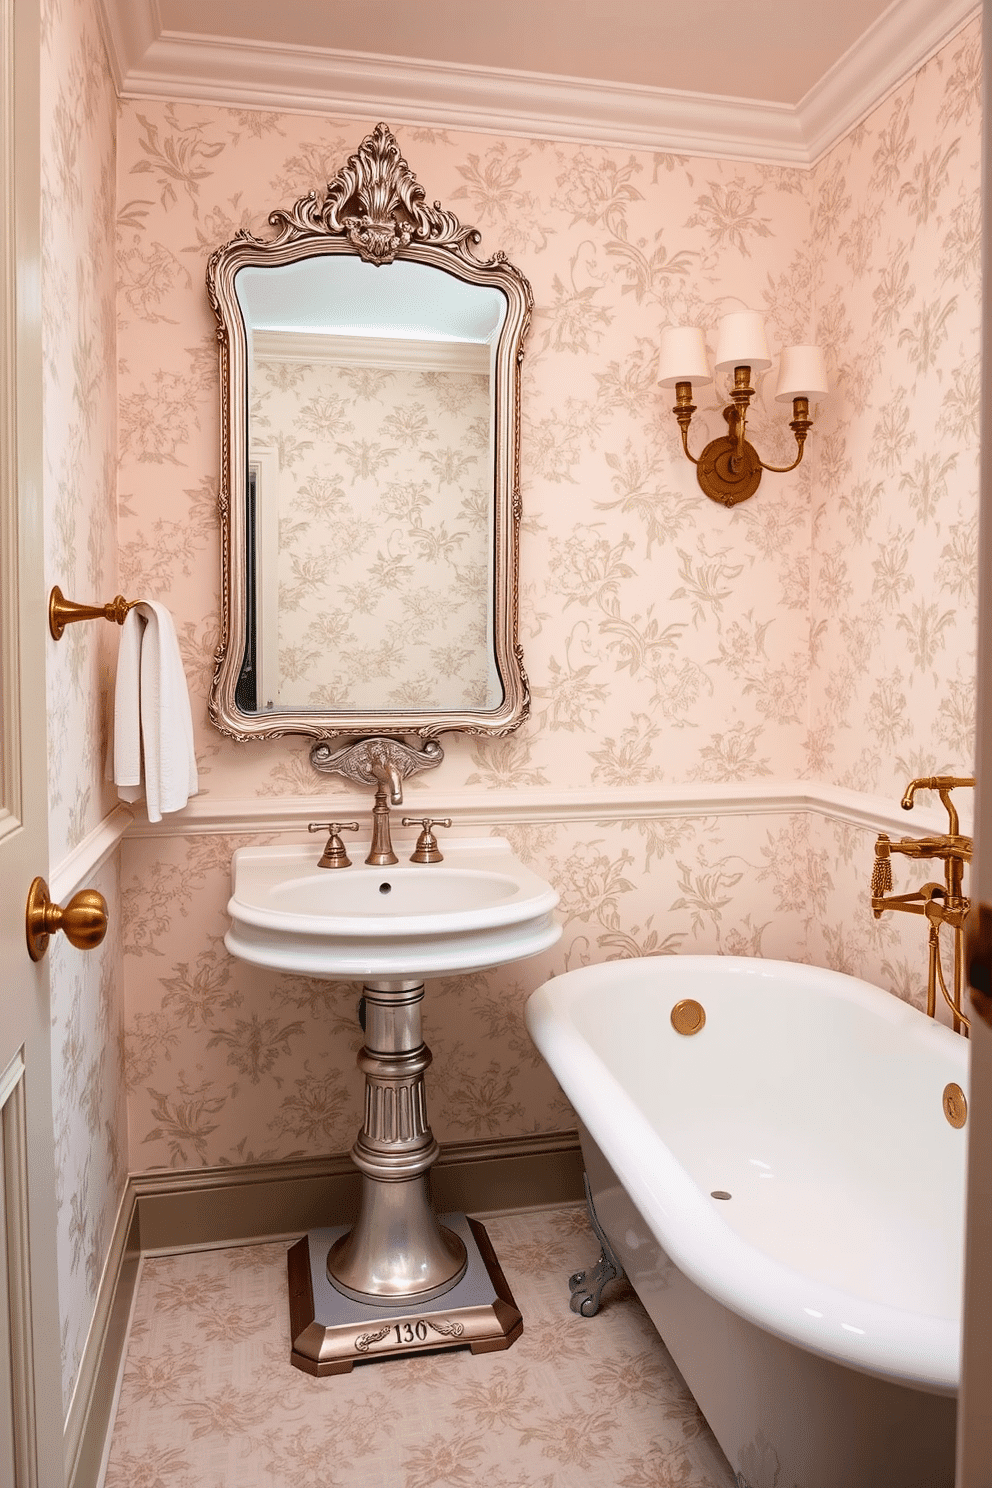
783	1185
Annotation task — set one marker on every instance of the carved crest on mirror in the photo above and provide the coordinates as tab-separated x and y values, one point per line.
370	507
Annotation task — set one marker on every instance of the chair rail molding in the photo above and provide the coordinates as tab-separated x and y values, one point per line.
206	815
89	855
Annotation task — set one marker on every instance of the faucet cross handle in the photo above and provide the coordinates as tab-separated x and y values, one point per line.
335	855
427	850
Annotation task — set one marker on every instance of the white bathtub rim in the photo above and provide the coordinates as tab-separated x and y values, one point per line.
893	1343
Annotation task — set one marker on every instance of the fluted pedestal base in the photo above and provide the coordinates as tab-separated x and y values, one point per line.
332	1333
399	1281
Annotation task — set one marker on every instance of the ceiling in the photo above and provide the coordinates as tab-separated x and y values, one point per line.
763	49
768	78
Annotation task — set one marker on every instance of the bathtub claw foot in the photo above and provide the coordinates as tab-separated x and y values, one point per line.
586	1287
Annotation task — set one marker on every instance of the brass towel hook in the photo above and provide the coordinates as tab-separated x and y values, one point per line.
63	612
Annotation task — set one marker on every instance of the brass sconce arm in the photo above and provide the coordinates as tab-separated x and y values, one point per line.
729	469
683	411
800	424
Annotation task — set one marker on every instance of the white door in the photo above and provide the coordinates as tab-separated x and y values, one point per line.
31	1413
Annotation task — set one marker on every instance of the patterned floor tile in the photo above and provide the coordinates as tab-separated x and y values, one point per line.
210	1400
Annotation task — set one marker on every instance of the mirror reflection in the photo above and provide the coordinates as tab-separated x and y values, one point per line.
370	486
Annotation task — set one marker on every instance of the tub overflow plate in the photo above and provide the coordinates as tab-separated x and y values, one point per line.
688	1016
955	1105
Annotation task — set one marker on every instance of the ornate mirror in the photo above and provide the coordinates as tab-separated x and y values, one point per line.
370	385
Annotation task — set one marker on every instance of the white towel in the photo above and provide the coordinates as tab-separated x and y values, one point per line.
153	725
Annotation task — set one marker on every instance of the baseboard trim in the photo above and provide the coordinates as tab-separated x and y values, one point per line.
222	1205
89	1417
167	1211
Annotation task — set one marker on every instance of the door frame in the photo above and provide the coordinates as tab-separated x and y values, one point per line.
29	1274
974	1447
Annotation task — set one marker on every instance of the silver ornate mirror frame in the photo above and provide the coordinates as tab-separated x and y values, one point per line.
374	207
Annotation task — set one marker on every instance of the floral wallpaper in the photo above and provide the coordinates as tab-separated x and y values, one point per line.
664	637
230	1063
896	249
823	629
894	560
78	193
382	534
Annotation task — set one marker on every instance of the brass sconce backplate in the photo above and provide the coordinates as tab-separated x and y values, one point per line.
688	1016
726	474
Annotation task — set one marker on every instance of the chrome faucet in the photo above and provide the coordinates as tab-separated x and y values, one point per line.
388	780
941	903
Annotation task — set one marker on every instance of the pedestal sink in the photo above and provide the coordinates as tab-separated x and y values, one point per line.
398	1281
479	908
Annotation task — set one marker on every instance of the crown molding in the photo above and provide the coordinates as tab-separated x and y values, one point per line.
442	96
899	43
149	62
130	29
401	354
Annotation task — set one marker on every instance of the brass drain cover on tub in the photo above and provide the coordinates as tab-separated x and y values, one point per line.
688	1016
955	1105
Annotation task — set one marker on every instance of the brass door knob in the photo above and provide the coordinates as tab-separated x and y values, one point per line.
84	919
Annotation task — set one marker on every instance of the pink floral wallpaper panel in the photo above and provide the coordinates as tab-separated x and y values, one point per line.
668	641
896	243
78	189
665	638
231	1063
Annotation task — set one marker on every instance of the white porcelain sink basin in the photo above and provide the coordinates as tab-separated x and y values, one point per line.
480	907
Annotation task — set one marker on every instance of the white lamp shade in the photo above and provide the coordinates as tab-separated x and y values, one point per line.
741	342
801	374
683	356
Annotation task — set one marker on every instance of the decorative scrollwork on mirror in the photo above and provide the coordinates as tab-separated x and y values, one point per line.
370	504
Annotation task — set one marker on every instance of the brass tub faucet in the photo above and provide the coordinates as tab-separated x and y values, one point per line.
940	903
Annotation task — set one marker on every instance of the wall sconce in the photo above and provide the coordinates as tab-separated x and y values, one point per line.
729	469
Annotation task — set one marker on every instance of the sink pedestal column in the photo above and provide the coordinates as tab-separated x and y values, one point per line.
398	1281
397	1249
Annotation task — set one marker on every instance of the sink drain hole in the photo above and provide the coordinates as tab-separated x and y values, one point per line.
720	1193
385	888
